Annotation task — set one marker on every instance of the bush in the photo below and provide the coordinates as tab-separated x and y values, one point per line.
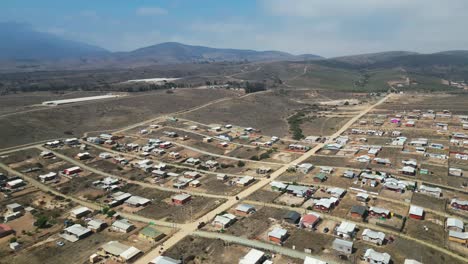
240	163
42	222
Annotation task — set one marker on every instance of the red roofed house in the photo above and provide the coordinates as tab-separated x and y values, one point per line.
310	220
72	170
5	230
416	212
459	204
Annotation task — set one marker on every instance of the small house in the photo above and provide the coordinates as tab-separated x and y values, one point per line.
416	212
342	246
137	201
374	257
254	256
321	177
459	237
362	197
96	225
48	177
72	171
80	212
5	230
459	204
305	168
346	230
165	260
371	236
181	199
123	226
455	224
224	221
151	234
432	191
14	207
309	220
292	217
75	232
277	235
379	212
119	251
245	209
358	211
221	176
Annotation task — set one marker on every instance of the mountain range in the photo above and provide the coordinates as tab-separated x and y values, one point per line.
22	48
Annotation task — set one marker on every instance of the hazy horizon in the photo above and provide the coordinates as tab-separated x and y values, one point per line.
326	28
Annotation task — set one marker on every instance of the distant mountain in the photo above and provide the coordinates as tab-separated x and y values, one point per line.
372	58
21	42
173	52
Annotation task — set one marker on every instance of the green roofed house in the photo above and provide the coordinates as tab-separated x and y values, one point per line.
151	234
321	177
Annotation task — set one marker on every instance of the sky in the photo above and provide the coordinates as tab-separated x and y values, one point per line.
324	27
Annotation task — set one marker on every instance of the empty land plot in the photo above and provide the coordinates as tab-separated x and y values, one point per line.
266	111
103	115
439	102
19	156
429	202
306	239
162	208
211	184
264	195
426	230
323	126
256	224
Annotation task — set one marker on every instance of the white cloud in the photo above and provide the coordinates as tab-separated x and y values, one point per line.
151	11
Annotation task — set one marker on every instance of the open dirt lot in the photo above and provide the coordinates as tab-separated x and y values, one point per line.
111	114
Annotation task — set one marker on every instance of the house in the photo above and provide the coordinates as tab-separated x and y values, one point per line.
83	155
299	190
342	246
71	141
311	260
408	170
47	154
263	170
325	204
363	159
72	171
96	225
362	197
459	237
455	172
174	155
375	237
48	177
211	164
455	224
165	260
374	257
336	192
137	201
181	199
349	174
298	147
411	163
358	211
195	183
14	207
277	235
192	161
379	212
15	184
399	141
254	256
416	212
224	221
326	170
459	204
5	230
432	191
420	142
305	168
245	209
192	174
123	226
309	220
346	230
244	181
80	212
75	232
292	217
105	155
151	234
121	252
382	161
321	177
278	186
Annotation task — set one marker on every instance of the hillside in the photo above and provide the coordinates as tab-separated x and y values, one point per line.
21	42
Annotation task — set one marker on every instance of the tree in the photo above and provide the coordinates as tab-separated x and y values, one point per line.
42	221
240	163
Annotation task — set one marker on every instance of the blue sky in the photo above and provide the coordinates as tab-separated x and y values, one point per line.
324	27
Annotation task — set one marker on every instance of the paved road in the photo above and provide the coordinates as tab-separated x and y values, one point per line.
367	225
142	184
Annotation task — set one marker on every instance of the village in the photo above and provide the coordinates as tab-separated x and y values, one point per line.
389	186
